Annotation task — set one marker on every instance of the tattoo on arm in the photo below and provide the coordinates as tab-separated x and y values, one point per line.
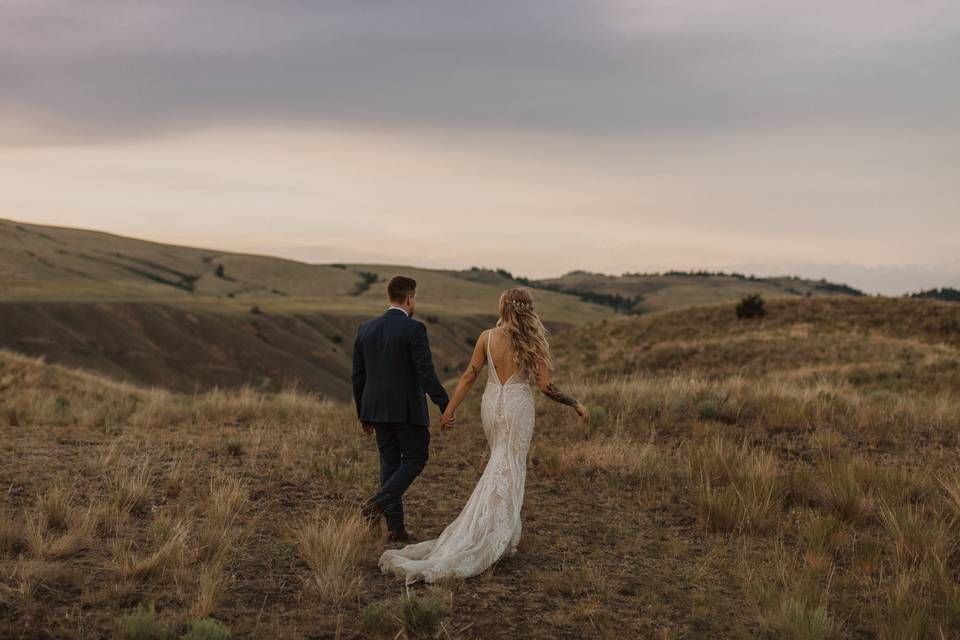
554	393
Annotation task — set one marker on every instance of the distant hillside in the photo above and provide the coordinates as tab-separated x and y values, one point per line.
186	318
55	264
855	336
646	292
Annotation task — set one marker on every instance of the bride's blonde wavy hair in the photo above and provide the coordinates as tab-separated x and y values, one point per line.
528	336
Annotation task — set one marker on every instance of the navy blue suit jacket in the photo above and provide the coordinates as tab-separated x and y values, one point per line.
392	369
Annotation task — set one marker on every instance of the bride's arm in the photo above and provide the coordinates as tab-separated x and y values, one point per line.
467	379
549	389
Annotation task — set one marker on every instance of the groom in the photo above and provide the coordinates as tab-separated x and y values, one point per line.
392	368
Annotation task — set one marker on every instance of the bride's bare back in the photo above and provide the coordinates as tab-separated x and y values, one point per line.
504	360
501	353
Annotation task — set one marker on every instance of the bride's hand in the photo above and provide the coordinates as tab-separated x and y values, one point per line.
447	421
582	412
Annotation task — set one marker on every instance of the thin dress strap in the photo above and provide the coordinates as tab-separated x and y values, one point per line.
493	367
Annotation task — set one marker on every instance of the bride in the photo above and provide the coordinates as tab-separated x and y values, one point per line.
489	525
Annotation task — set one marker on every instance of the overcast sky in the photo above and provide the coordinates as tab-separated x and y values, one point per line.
812	136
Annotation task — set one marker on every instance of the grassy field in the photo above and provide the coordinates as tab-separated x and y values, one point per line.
795	477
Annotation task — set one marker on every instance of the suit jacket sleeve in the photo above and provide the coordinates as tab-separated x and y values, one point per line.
423	364
359	376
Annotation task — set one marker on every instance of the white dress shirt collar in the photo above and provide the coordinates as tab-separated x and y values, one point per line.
399	308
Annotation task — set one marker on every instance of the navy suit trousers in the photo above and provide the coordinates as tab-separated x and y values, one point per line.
403	454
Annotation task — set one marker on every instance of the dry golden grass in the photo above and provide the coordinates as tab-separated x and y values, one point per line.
55	528
616	454
840	491
211	587
222	508
11	534
131	563
335	546
736	487
818	498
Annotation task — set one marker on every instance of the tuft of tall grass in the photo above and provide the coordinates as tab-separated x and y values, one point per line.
11	534
55	507
57	529
736	487
820	533
839	490
211	585
129	486
30	575
903	611
334	545
222	508
951	486
829	443
915	536
129	564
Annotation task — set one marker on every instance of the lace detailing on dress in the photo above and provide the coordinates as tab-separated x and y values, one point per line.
489	524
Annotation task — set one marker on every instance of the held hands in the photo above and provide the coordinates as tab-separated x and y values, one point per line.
367	428
448	420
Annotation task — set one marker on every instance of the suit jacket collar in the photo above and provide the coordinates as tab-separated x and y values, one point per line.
396	311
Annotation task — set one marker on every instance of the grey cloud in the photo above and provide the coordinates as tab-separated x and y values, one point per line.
581	67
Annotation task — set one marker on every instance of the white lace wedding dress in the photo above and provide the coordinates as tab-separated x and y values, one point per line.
489	525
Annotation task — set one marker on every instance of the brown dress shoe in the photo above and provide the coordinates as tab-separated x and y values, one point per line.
400	535
371	512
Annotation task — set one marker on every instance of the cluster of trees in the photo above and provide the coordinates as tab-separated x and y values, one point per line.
832	287
367	278
617	302
700	273
947	294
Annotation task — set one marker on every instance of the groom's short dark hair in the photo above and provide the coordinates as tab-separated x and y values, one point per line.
400	287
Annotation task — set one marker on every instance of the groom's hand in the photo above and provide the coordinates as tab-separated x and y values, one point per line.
367	428
447	422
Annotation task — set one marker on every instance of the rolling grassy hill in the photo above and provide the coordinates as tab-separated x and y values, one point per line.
185	318
838	336
189	318
644	293
795	477
55	264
